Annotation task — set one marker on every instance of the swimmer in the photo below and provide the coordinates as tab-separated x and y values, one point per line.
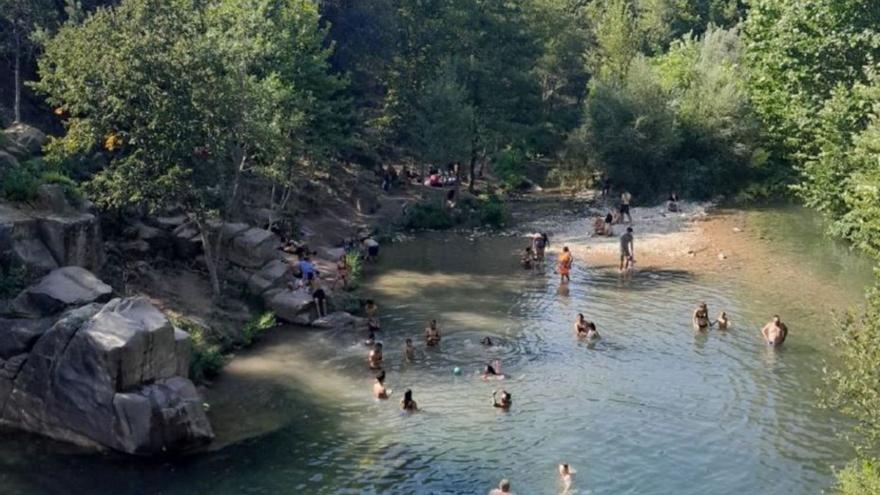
564	265
407	404
432	334
775	332
527	258
503	489
487	341
493	372
372	310
722	321
506	400
379	390
371	339
409	351
565	473
375	357
701	317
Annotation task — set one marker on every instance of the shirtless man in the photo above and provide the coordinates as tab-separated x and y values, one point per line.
375	357
700	319
775	332
723	321
627	250
625	199
432	334
409	351
379	390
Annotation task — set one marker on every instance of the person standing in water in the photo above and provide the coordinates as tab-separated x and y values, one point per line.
564	265
432	334
722	321
539	245
775	332
375	357
627	250
585	329
700	318
372	311
409	351
566	472
379	390
625	200
407	404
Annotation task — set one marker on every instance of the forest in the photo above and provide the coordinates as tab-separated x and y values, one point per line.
750	100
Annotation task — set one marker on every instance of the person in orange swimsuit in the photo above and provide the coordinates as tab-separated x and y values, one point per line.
564	265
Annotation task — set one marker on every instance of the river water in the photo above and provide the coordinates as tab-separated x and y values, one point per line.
652	408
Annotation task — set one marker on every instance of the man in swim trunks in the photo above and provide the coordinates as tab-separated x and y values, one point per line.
564	265
539	244
625	199
409	351
432	334
627	250
775	332
701	317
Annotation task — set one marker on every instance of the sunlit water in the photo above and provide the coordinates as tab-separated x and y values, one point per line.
651	409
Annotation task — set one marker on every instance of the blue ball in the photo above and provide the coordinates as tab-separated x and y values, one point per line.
456	371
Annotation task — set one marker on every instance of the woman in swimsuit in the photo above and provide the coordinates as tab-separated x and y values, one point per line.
407	404
379	390
375	357
432	334
701	317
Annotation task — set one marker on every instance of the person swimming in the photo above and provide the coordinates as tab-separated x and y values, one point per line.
409	351
487	341
775	332
503	489
722	321
493	371
505	402
701	317
379	390
432	334
585	329
375	357
407	404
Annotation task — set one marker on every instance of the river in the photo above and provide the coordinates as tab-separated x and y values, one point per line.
652	408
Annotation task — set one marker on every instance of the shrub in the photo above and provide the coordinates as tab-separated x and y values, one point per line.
355	269
206	358
70	187
492	212
429	216
256	326
510	169
21	183
859	478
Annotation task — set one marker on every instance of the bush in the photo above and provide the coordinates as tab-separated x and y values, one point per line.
256	326
21	183
355	269
510	169
70	187
859	478
429	216
206	356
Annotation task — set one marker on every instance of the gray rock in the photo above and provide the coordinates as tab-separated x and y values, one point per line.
63	288
253	248
170	223
276	274
26	137
340	320
108	376
158	239
18	336
8	163
73	239
183	351
34	254
291	306
51	197
187	241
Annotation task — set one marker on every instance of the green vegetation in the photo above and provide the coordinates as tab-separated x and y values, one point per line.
860	478
257	326
13	279
355	269
430	215
207	358
20	184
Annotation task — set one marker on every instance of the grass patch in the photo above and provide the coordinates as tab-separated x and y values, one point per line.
71	189
859	478
257	326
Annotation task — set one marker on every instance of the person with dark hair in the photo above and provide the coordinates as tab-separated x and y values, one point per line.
372	311
505	402
432	334
672	203
627	250
375	357
409	351
493	371
320	298
564	265
701	317
379	390
407	404
487	341
585	329
625	200
503	488
527	258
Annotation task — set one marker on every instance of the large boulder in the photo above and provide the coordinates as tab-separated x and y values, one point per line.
27	138
276	274
73	239
291	306
340	320
63	288
253	248
109	376
18	336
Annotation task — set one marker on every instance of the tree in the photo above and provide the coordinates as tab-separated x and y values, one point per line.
186	98
22	18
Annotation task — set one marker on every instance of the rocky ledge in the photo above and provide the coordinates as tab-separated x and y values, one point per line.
100	374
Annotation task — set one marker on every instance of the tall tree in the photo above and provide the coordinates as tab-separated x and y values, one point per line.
22	18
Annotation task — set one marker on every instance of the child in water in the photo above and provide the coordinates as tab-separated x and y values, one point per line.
527	258
493	371
565	474
723	321
407	404
375	357
505	402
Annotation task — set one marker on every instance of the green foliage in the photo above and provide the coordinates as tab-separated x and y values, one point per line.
510	168
257	326
429	215
206	359
13	279
492	212
355	269
20	184
70	187
859	478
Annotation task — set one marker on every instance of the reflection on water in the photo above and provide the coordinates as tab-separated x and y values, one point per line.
653	407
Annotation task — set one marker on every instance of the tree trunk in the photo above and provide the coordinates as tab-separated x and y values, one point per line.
210	256
472	175
17	104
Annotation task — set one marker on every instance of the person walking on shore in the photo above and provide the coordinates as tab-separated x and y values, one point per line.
627	250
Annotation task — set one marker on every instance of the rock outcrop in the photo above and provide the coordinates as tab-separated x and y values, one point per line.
104	375
63	288
25	139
